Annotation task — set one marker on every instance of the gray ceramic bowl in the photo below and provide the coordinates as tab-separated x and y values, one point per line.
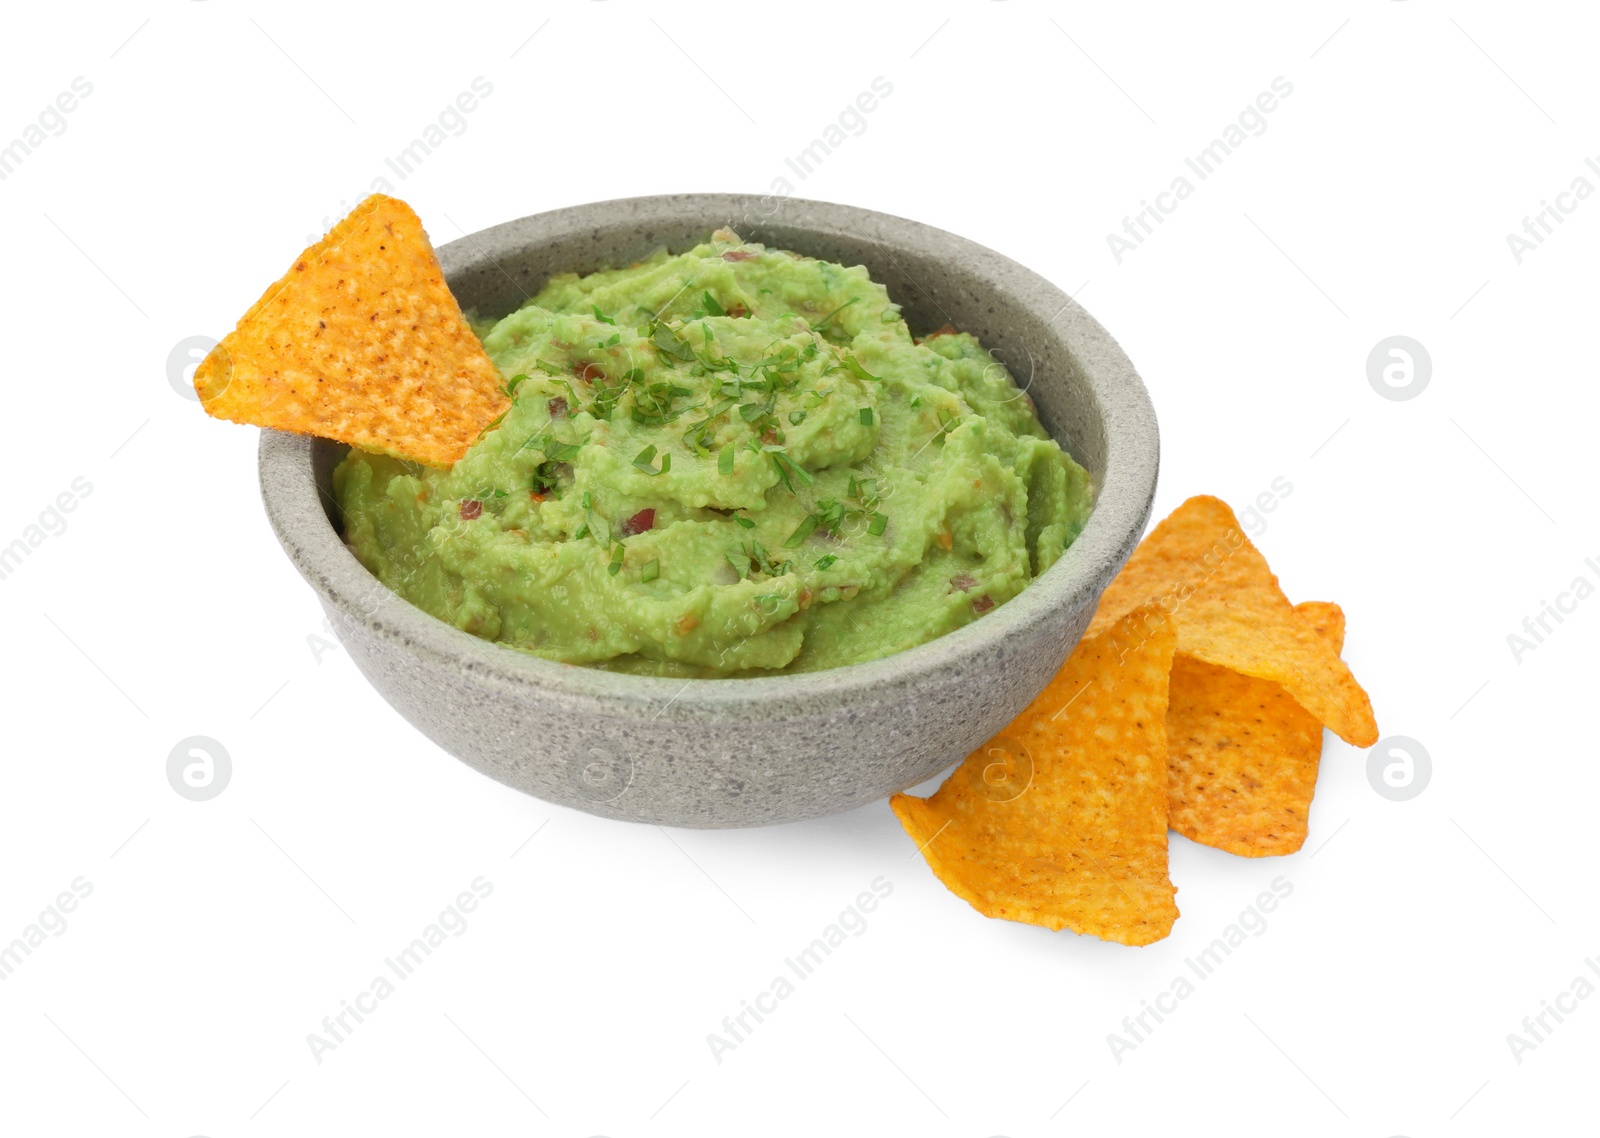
782	748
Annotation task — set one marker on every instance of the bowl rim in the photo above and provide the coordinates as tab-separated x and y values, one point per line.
1122	506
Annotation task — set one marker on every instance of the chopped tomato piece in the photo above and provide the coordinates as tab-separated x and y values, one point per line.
638	523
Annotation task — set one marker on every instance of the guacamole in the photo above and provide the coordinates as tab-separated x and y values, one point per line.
730	462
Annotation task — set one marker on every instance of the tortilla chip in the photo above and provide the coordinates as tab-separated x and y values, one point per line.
1061	821
360	341
1326	620
1242	755
1198	566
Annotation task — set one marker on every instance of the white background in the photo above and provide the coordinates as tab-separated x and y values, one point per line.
179	998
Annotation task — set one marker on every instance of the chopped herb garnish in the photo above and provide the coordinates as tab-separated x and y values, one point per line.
853	366
616	338
744	521
741	564
796	418
647	456
831	514
787	467
879	523
616	560
653	404
511	385
827	560
651	570
823	323
709	305
490	425
762	561
606	395
802	531
601	316
701	435
555	453
777	461
725	461
866	416
671	343
699	438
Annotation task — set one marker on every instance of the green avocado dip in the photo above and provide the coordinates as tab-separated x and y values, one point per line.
731	462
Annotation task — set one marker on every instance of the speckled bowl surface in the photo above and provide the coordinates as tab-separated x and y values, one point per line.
782	748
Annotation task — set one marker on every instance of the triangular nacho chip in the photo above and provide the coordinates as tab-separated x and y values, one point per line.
1061	821
1242	755
1326	620
1198	566
360	341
